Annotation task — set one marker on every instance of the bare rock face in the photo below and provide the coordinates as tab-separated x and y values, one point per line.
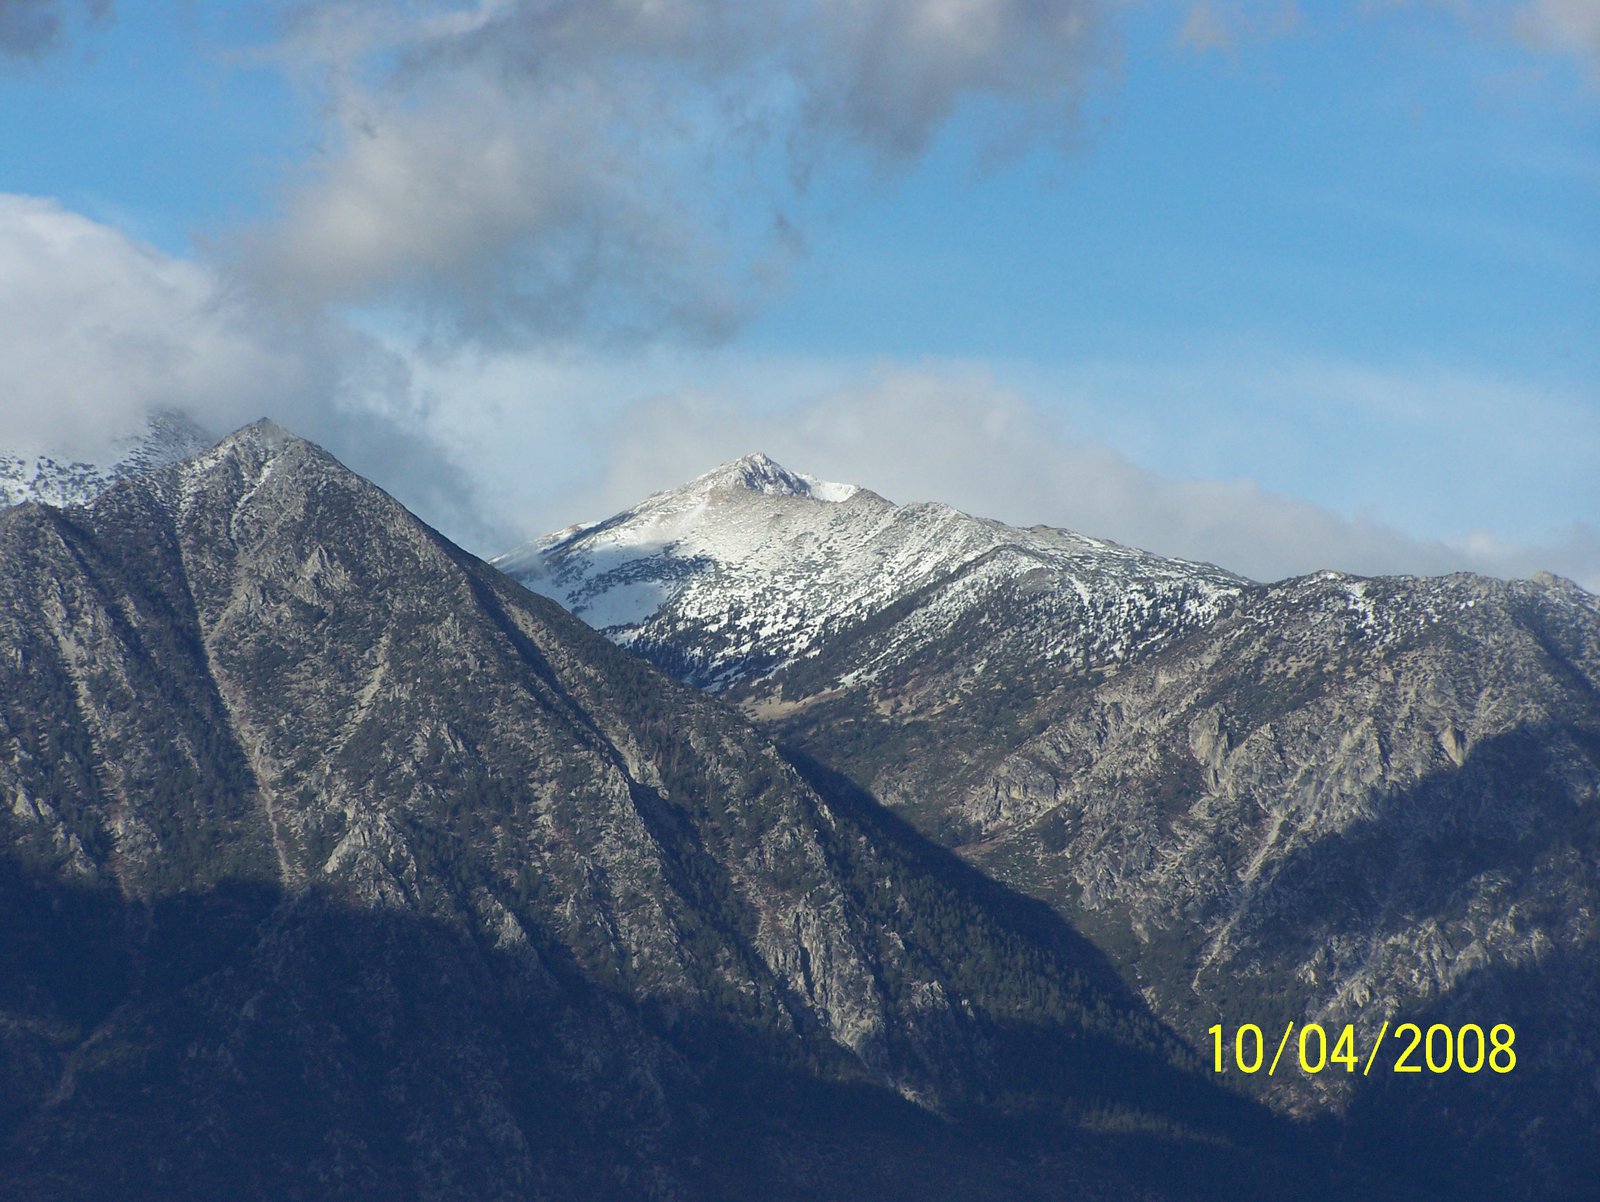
335	864
1352	801
1334	799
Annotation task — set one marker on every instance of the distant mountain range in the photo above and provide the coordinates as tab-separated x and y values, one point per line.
334	864
1332	799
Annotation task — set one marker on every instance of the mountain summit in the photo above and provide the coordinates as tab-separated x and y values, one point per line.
758	473
750	568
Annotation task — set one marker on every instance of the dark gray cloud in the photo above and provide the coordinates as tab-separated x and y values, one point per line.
30	28
545	169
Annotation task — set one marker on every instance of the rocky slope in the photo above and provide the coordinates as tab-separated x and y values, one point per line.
1351	801
790	594
55	480
1331	799
337	865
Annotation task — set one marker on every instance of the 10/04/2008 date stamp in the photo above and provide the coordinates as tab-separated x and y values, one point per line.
1437	1048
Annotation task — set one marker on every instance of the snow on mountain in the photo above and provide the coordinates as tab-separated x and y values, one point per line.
751	568
167	438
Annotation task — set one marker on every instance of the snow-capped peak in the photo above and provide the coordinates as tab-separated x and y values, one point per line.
663	518
760	473
751	567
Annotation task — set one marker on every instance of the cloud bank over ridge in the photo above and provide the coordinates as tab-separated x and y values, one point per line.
551	182
917	435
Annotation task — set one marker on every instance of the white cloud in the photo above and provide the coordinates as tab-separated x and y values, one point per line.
959	438
542	170
551	173
98	330
498	215
1435	448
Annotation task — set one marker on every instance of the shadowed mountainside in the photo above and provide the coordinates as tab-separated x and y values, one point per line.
338	865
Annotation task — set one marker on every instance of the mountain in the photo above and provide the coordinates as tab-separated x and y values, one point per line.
746	571
167	437
1331	799
334	864
1353	801
794	597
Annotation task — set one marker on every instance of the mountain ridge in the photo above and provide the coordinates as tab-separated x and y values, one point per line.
391	876
813	566
1329	799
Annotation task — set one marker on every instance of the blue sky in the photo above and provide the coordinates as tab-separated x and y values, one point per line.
1282	286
